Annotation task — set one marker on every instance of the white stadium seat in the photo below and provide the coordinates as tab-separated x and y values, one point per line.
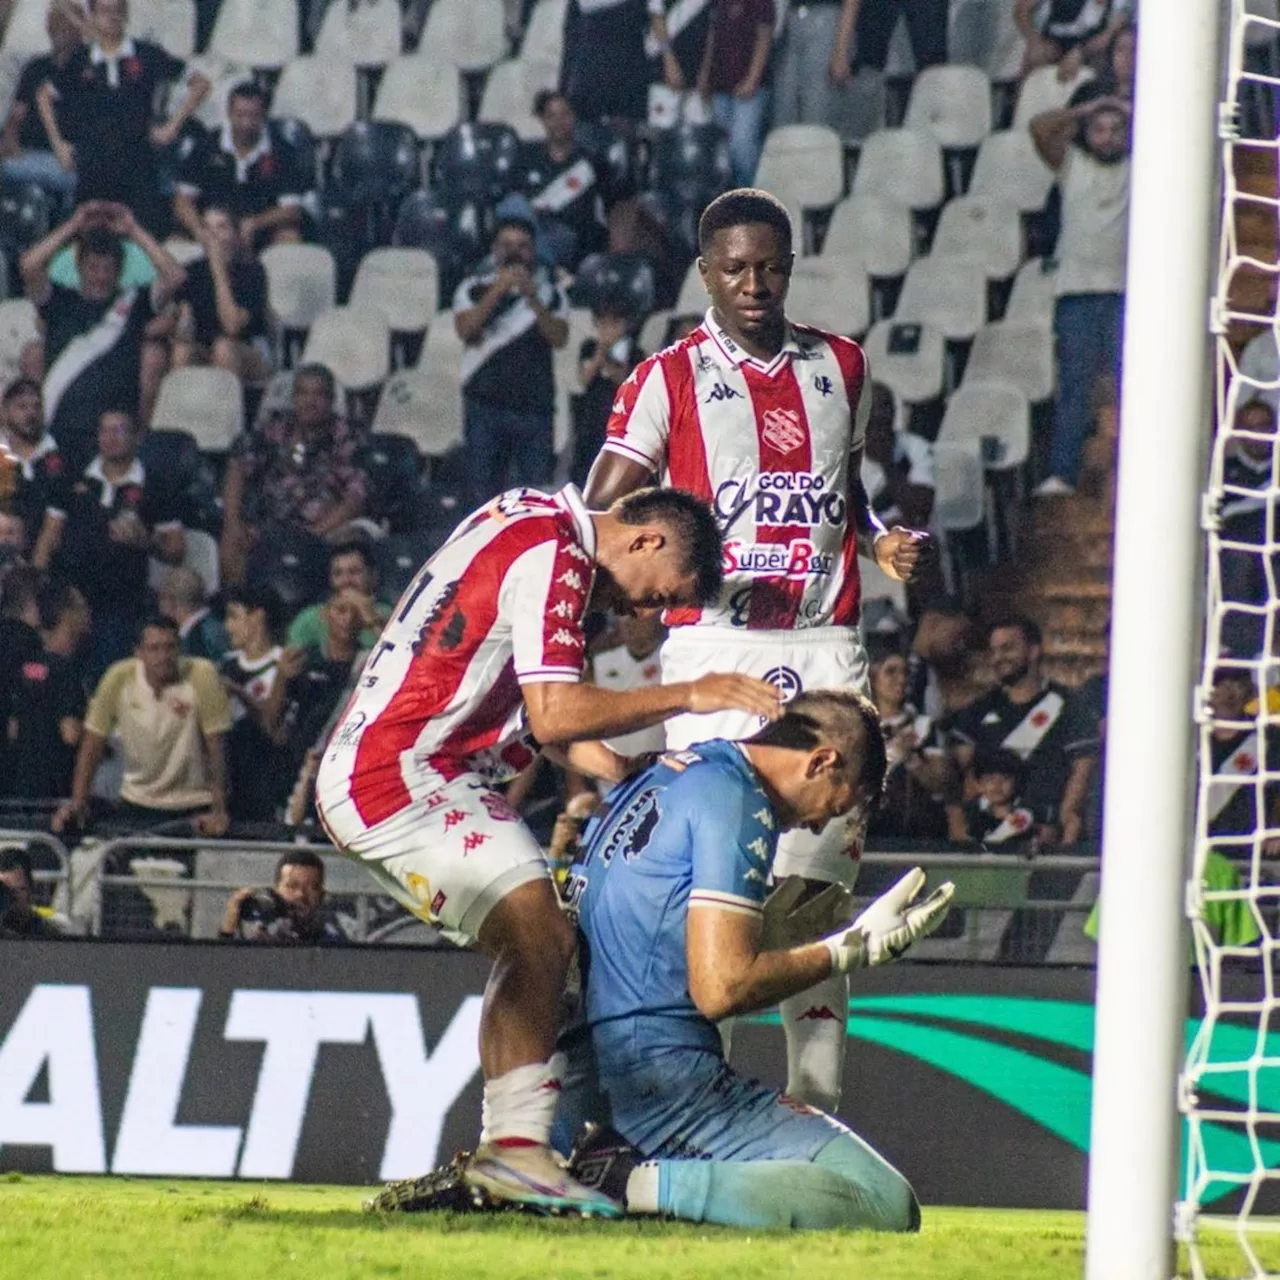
183	251
831	292
1032	299
1042	91
25	34
902	165
565	366
1009	170
544	35
256	33
301	282
421	92
998	411
223	75
467	33
403	284
366	33
653	333
915	376
354	344
18	329
953	103
168	23
509	92
874	231
321	92
693	298
205	403
986	233
422	404
1019	354
946	292
803	164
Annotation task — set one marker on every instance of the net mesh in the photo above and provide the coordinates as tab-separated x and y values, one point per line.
1230	1087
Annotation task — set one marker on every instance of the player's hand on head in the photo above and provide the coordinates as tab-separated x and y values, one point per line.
791	920
889	926
735	693
900	552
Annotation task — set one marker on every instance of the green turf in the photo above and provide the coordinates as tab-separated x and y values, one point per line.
117	1229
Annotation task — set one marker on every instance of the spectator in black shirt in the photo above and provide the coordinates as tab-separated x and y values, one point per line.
96	351
604	362
996	818
42	469
1039	722
510	316
237	169
294	911
18	916
116	521
25	146
1236	749
99	113
19	645
223	319
1242	512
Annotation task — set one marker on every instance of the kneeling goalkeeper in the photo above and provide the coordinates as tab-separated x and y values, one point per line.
676	933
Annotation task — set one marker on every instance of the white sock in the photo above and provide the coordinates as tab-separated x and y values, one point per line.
518	1107
815	1026
642	1188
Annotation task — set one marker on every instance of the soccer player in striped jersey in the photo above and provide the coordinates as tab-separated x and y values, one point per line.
484	650
764	418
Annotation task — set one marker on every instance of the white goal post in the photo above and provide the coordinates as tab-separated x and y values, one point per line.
1166	418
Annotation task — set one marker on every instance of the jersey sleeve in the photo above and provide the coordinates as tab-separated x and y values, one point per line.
640	423
544	599
212	705
733	836
105	703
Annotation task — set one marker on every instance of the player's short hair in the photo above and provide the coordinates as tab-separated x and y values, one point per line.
692	523
102	243
1030	629
839	718
1008	764
300	858
739	208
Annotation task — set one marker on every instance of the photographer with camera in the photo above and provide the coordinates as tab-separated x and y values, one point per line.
292	911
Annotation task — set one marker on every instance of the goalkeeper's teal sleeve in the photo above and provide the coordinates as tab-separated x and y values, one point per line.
846	1185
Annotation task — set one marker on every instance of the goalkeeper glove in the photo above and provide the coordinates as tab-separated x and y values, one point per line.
890	924
789	922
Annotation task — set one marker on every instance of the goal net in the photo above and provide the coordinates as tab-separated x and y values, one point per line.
1230	1086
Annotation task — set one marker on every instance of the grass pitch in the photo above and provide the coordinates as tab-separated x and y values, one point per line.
111	1228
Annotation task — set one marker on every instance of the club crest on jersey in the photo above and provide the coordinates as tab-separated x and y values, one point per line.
786	681
781	428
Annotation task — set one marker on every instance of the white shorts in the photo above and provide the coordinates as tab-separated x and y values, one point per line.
817	658
450	857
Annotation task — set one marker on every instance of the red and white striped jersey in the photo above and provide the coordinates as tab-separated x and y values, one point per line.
501	604
768	445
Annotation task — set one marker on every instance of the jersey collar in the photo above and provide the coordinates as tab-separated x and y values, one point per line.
570	499
732	351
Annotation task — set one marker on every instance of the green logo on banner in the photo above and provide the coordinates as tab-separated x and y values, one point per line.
947	1033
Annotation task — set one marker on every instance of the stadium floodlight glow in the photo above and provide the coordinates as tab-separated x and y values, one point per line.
1166	417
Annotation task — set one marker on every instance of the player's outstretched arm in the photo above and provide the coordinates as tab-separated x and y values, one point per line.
560	712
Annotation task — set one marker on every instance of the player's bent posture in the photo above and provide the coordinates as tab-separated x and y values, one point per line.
675	933
765	419
485	648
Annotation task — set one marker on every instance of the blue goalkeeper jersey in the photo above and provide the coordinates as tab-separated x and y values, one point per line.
693	827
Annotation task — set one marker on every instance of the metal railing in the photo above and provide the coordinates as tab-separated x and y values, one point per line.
58	876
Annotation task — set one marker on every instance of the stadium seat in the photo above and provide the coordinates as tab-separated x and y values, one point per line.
995	415
410	403
168	23
171	457
953	103
1008	170
832	292
902	165
422	93
394	469
872	230
948	293
1043	91
223	74
24	33
354	343
544	33
1019	354
626	277
205	403
400	556
477	161
183	252
18	329
298	148
988	234
321	92
433	399
425	222
691	162
693	298
1033	295
366	33
257	33
509	92
653	333
294	563
375	162
200	554
959	501
877	585
26	213
803	164
467	33
909	358
277	397
403	284
301	282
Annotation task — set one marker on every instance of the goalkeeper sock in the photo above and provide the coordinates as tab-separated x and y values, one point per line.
518	1107
814	1022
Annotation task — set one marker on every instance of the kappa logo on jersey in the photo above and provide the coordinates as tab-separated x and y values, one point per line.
796	560
822	384
781	428
453	817
566	638
786	681
759	848
575	552
572	579
764	817
782	498
564	609
722	392
751	875
472	840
